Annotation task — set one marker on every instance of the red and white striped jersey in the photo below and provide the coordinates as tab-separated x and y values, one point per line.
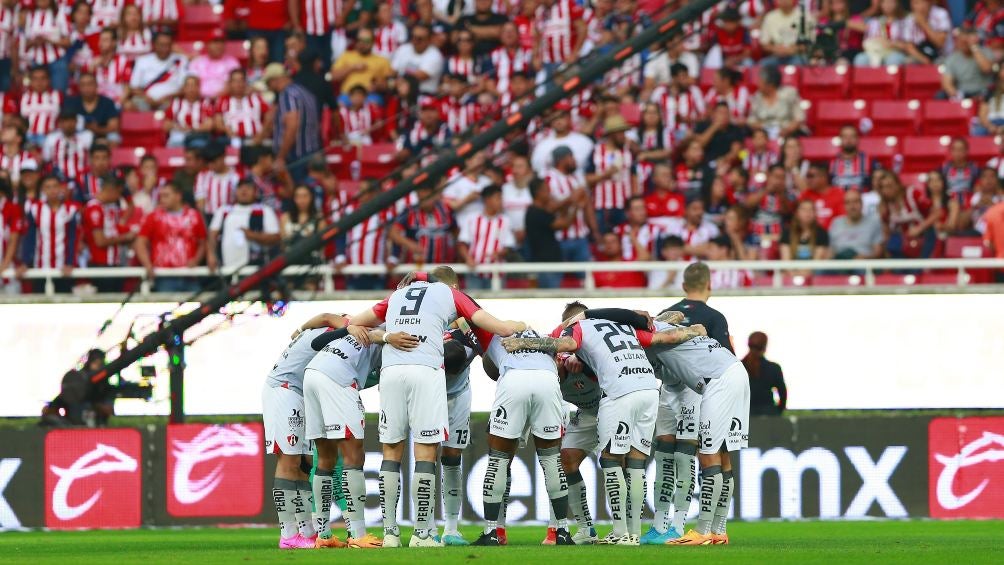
11	222
215	190
9	21
243	116
405	203
12	164
505	62
386	39
41	109
731	278
136	43
628	74
8	104
46	24
51	237
189	114
105	13
556	28
318	16
159	10
68	154
486	237
464	67
738	101
359	125
112	77
910	212
366	242
691	235
680	109
107	219
88	40
562	186
757	164
87	187
648	235
460	114
613	192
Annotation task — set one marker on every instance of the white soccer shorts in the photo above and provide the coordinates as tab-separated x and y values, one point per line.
413	397
628	421
282	415
527	399
581	433
725	411
332	411
458	409
679	412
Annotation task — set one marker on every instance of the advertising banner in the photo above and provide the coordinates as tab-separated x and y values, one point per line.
966	462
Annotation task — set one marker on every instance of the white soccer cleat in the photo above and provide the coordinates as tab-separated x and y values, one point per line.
614	539
635	539
585	536
428	541
391	540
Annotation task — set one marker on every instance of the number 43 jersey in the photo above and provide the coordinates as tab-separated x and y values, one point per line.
424	310
617	355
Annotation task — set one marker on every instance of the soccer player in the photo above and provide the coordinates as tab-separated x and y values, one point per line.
627	412
413	392
282	412
335	420
458	354
528	395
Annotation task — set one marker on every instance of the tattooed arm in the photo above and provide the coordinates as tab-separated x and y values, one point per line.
550	345
670	317
678	335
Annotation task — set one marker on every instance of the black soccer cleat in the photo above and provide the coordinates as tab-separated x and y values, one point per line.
491	538
562	537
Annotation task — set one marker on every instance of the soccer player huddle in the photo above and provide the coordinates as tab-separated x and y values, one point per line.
668	388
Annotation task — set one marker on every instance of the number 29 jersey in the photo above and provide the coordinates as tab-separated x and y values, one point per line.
617	355
424	310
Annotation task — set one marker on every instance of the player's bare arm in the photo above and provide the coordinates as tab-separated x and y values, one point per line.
678	335
360	333
322	321
550	345
366	318
490	323
398	340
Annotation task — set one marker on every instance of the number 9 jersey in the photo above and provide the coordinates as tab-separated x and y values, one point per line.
616	354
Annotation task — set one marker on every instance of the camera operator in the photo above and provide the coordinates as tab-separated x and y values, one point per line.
81	402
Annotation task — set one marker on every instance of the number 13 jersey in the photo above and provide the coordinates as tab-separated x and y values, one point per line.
424	310
616	353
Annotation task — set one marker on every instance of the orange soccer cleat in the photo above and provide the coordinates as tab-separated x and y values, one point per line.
692	538
329	543
369	541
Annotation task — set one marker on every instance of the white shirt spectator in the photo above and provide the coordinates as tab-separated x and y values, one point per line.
657	68
515	201
459	188
160	78
429	61
230	222
581	146
689	234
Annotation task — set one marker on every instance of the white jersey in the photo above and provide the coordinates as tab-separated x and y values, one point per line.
288	370
424	310
582	391
525	359
346	362
616	353
694	361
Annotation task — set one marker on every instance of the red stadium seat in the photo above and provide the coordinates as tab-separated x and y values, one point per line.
169	159
239	49
984	148
837	280
338	159
892	279
198	22
142	129
349	187
631	113
875	83
895	117
789	77
963	247
831	115
819	149
913	179
882	149
922	154
126	156
707	78
824	83
941	278
378	160
946	117
921	81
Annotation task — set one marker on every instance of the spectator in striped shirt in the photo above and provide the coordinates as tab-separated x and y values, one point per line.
11	228
215	187
426	231
611	174
485	238
189	115
9	20
638	235
296	127
12	153
40	105
240	112
50	240
66	148
87	185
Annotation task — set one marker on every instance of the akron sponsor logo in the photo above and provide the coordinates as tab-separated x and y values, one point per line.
626	371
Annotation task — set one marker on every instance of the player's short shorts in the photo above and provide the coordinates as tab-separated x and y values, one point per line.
527	398
413	397
282	414
725	411
628	421
333	411
459	410
679	412
581	432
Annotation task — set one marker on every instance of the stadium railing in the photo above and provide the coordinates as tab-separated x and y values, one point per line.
777	271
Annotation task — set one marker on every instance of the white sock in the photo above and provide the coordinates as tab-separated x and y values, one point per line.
711	491
616	490
722	510
685	461
423	495
664	485
452	501
556	484
496	475
323	487
354	489
283	493
390	491
577	500
636	494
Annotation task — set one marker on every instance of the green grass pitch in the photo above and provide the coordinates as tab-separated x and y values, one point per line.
777	543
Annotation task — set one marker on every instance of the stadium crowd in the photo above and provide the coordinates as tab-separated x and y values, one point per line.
159	133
